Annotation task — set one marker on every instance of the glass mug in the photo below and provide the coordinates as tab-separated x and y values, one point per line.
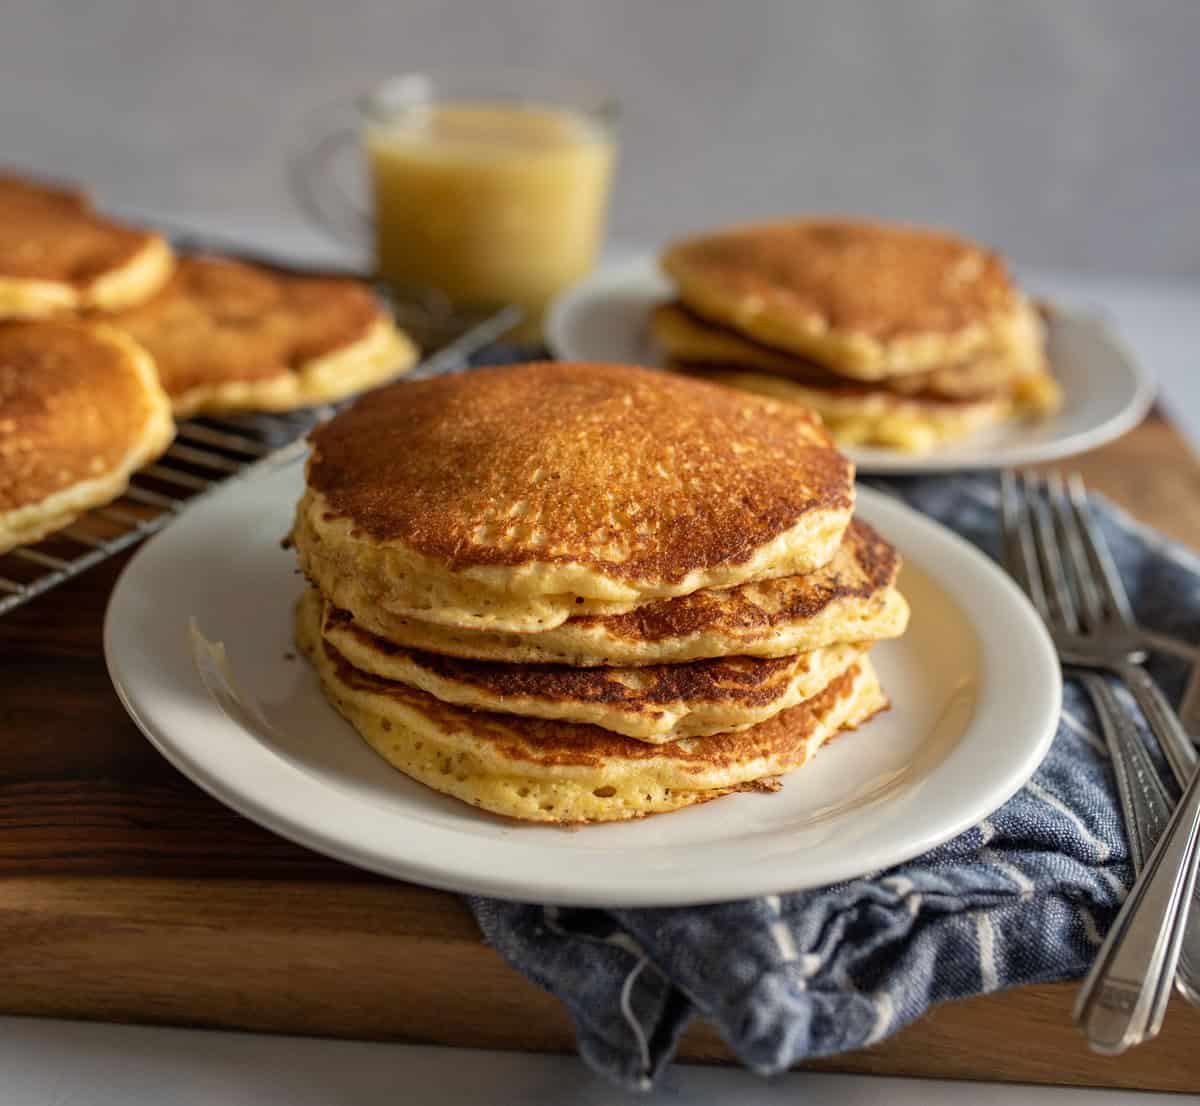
486	188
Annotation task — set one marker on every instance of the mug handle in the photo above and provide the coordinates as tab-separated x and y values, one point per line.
320	196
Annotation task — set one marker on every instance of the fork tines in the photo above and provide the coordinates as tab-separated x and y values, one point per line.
1053	544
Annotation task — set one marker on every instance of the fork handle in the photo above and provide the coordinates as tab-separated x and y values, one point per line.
1189	705
1145	804
1124	997
1164	722
1181	756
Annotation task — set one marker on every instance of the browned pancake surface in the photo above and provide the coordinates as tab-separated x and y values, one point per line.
877	280
858	582
218	320
986	375
20	193
744	681
891	397
51	233
864	566
634	472
535	741
70	408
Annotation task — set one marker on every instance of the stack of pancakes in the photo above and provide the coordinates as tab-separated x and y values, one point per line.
584	593
105	334
897	336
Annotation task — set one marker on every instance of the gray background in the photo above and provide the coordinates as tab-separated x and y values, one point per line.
1066	132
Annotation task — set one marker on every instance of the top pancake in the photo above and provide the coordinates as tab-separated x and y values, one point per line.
80	408
57	255
227	335
867	300
511	498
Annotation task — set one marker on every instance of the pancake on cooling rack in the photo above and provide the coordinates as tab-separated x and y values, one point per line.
80	410
579	593
231	336
59	256
897	336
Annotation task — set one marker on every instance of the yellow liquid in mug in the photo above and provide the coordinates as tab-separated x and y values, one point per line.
488	202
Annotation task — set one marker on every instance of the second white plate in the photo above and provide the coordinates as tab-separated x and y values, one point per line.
1106	392
975	688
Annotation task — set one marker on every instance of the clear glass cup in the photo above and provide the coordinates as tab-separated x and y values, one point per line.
486	188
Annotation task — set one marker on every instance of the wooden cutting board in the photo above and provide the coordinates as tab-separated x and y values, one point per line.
127	894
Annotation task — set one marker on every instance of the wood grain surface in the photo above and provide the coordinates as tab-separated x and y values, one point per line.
128	894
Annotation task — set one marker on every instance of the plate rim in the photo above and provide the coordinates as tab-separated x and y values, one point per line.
1143	388
276	816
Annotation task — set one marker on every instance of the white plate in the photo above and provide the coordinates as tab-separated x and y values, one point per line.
975	686
1105	391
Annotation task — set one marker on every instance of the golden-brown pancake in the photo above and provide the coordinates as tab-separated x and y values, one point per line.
852	598
58	256
654	703
686	339
915	412
873	416
512	498
30	195
231	336
867	300
558	772
80	409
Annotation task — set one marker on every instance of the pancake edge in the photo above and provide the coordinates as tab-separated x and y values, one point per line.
128	285
880	614
845	351
383	353
444	767
883	418
658	724
535	595
33	521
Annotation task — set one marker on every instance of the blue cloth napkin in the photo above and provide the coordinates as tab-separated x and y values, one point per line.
1023	897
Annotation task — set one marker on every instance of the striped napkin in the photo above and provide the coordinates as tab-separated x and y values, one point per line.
1023	897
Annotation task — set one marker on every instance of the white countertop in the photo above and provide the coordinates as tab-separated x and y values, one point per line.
57	1062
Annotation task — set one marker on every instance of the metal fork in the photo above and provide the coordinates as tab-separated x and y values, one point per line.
1086	545
1105	612
1087	541
1029	545
1124	997
1101	612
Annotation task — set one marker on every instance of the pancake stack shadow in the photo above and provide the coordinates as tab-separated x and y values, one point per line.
585	593
898	336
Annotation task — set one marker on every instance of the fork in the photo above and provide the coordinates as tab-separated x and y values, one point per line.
1103	590
1124	996
1088	542
1096	626
1028	531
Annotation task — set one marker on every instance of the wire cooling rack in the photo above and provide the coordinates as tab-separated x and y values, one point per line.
208	451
